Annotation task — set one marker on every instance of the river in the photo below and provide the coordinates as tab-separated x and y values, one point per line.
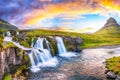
88	65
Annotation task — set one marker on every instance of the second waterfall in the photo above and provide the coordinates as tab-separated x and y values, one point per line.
41	56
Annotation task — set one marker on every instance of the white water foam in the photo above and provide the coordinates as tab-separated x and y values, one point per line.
68	54
34	69
8	39
50	63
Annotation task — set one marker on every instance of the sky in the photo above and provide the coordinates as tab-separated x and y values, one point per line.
65	15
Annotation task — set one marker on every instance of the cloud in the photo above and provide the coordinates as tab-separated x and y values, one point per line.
72	10
31	12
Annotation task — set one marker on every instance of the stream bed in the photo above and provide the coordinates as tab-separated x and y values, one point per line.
88	65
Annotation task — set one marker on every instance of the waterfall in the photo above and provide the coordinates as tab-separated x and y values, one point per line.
39	43
8	37
32	43
48	45
60	45
62	49
8	34
33	67
17	33
40	53
41	57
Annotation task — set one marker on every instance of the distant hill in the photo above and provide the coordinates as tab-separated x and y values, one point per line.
111	28
6	25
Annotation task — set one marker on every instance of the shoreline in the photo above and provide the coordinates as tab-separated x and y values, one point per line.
107	47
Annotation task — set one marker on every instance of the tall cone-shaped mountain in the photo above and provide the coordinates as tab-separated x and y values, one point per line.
110	27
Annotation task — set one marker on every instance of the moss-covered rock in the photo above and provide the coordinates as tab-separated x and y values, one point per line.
72	43
113	64
53	45
25	44
7	77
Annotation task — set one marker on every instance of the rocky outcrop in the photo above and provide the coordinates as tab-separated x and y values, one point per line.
8	59
73	44
111	75
53	44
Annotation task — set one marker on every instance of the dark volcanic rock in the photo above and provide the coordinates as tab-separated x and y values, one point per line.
111	22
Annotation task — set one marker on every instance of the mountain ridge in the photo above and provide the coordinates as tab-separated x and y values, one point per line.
6	25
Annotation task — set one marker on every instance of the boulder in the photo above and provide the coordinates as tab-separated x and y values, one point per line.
111	75
118	77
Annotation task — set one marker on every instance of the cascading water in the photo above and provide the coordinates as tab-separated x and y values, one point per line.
8	34
39	43
33	67
44	53
8	37
60	45
38	55
48	44
61	48
32	43
43	56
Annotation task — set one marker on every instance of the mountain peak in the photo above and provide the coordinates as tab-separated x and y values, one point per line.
111	22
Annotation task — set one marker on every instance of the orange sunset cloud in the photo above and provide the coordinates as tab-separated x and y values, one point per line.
72	8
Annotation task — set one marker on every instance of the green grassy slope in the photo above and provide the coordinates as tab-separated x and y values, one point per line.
111	31
89	40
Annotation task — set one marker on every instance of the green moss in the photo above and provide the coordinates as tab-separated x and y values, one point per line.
26	58
113	64
20	52
7	45
19	70
53	46
7	77
25	44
